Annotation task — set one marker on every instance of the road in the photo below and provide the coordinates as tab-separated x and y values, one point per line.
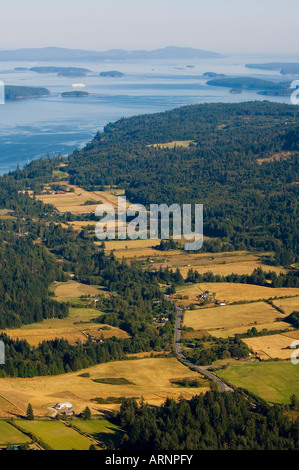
202	369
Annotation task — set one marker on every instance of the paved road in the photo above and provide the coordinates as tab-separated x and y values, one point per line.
202	369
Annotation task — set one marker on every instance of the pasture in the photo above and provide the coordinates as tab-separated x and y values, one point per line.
288	305
231	316
274	382
234	292
271	347
56	435
75	201
73	290
9	435
150	377
174	143
77	326
100	429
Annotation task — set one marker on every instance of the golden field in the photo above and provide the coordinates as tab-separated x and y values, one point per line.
234	292
78	326
231	316
273	346
74	201
70	290
174	143
288	305
151	379
271	326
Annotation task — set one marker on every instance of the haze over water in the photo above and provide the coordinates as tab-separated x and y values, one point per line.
33	128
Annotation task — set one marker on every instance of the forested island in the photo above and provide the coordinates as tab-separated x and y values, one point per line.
213	75
291	68
75	94
21	92
112	73
248	83
60	70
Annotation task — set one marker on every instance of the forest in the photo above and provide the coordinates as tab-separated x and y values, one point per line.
214	421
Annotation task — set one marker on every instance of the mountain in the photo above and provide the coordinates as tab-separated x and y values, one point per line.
57	54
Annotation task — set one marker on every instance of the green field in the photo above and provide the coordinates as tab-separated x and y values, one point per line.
56	435
9	435
101	429
274	382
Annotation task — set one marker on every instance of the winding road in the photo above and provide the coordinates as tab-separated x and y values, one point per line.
202	369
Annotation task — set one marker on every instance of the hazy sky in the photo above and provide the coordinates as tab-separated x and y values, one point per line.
270	26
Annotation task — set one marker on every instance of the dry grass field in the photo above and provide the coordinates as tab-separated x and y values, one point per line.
75	201
270	326
231	316
150	377
288	305
173	144
234	292
271	347
70	290
78	326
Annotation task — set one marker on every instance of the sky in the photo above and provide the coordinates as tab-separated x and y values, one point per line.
247	26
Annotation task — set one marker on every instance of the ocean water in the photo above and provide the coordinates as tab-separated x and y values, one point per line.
35	127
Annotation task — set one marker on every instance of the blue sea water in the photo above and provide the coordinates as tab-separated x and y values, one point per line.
33	128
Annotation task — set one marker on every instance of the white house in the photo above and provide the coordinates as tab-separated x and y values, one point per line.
63	406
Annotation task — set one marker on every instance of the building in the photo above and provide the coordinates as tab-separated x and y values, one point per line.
63	406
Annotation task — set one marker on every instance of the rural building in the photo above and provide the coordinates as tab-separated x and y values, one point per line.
63	406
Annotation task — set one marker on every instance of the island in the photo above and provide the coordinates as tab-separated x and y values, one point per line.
71	74
266	87
290	68
22	92
75	94
112	73
214	75
59	70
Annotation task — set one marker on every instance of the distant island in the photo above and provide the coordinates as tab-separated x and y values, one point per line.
60	70
71	74
291	68
214	75
112	73
22	92
266	87
62	54
75	94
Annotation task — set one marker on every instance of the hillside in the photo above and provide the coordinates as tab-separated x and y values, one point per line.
247	203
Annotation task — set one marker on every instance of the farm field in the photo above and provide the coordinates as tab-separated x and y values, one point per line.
73	328
68	291
234	292
287	305
56	435
75	201
273	346
9	435
274	382
100	429
174	143
149	377
231	316
271	326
